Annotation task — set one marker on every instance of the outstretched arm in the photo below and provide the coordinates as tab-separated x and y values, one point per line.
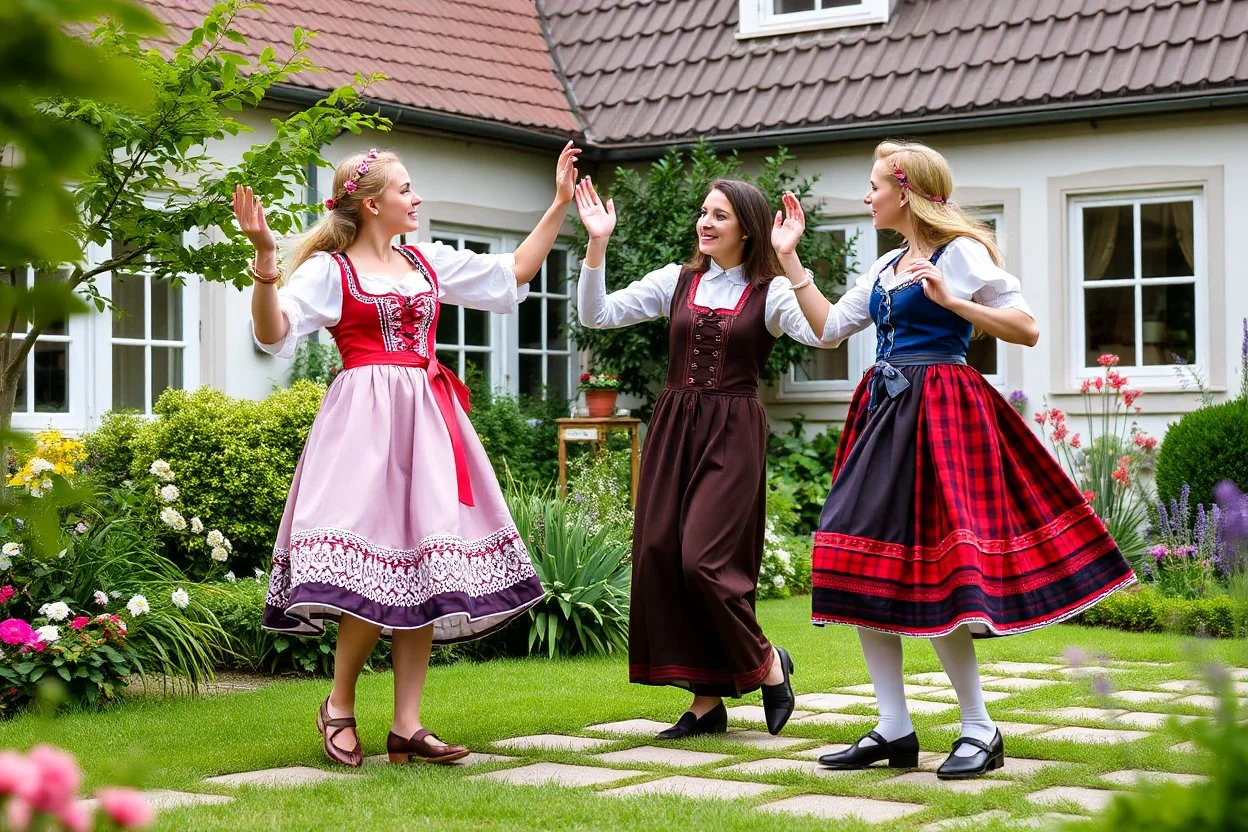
268	319
533	251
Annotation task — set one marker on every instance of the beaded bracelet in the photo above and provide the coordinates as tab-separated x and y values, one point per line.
266	279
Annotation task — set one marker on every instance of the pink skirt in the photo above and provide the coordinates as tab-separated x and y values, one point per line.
374	528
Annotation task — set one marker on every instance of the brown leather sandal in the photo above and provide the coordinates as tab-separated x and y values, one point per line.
418	745
353	758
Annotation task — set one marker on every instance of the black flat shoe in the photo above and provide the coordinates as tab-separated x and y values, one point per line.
778	700
990	757
902	753
714	721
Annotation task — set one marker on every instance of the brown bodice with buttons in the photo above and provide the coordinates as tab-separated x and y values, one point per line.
717	350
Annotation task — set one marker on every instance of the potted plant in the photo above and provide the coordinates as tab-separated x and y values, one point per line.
600	392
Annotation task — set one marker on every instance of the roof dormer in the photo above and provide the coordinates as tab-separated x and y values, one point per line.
760	18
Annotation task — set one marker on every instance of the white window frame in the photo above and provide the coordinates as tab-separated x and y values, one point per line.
569	351
77	372
496	325
1152	375
758	18
104	340
996	215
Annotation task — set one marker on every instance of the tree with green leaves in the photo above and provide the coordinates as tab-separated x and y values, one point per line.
153	177
658	212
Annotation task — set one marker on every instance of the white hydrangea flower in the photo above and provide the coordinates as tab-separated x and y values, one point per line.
46	484
171	518
161	470
48	634
81	528
785	557
778	580
229	577
180	599
39	465
138	605
197	525
215	538
115	594
127	483
219	554
101	597
57	611
36	492
11	549
5	563
169	493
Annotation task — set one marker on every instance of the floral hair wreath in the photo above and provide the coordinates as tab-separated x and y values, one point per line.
905	186
350	186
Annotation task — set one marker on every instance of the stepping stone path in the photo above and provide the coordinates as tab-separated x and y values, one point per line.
730	769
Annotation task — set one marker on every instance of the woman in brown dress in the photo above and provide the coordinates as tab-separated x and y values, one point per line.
701	502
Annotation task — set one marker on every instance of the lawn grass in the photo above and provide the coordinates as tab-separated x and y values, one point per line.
174	743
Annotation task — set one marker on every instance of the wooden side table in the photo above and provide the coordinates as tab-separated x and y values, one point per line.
596	431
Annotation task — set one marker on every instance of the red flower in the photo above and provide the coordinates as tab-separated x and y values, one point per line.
585	377
1057	415
1075	441
1120	475
1086	386
6	592
1108	360
1059	431
1143	440
1129	396
1042	417
1099	382
1089	495
1116	381
80	622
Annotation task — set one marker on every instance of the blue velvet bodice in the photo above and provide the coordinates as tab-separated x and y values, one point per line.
907	322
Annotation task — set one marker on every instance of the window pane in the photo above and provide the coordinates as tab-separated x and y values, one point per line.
530	381
529	324
128	308
166	370
166	311
1166	240
1109	318
557	378
823	365
824	267
128	378
557	273
51	377
57	328
477	363
450	241
448	325
1169	323
479	248
476	327
982	355
450	358
792	6
1108	243
556	324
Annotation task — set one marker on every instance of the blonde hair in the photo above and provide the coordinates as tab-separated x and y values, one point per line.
935	219
340	225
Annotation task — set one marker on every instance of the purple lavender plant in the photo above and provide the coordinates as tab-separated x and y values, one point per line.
1018	401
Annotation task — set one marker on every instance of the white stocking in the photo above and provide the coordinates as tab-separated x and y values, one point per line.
883	654
957	656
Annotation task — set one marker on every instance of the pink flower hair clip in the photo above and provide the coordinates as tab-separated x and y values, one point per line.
352	183
904	184
329	204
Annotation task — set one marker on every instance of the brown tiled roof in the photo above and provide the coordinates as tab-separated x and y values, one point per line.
479	59
660	70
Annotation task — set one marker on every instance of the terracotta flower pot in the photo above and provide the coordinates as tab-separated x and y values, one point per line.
601	403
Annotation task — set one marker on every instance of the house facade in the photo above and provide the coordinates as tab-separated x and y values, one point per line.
1099	137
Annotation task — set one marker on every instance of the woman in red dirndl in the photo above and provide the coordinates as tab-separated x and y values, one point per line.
947	517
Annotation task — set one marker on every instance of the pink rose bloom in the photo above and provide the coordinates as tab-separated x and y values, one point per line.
75	816
59	778
17	814
125	807
349	187
17	776
80	622
16	631
6	592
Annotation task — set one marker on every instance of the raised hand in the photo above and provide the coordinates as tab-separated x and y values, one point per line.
565	173
249	212
598	219
933	280
789	225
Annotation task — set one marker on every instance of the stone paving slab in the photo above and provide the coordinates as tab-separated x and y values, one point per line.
923	706
561	774
972	822
928	780
1240	673
1184	686
1134	777
161	799
1014	766
1018	683
1139	697
763	740
834	701
771	765
911	690
835	807
1149	720
1131	663
1052	819
1093	800
950	695
1094	714
630	727
553	742
1102	736
473	759
1088	671
834	719
654	755
279	777
816	753
694	787
1008	729
754	713
1017	668
1186	748
1209	703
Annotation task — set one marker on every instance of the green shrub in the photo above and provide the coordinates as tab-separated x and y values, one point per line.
316	362
110	447
518	434
1203	448
598	483
805	466
1147	610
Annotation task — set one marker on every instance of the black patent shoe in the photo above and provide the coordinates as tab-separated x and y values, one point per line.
902	753
778	700
714	721
989	757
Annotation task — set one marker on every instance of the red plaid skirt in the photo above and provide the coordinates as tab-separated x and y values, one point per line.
947	510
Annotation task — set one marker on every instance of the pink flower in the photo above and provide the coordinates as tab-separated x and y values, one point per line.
75	816
1089	495
372	153
1099	383
80	622
1057	414
17	813
17	776
6	592
1129	396
125	807
1121	475
1116	381
349	187
1075	441
1108	360
1042	417
1059	431
16	631
59	778
1143	440
1086	386
361	168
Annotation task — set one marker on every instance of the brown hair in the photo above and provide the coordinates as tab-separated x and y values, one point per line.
755	216
936	220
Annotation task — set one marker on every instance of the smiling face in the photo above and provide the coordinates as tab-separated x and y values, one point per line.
720	235
885	199
397	205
